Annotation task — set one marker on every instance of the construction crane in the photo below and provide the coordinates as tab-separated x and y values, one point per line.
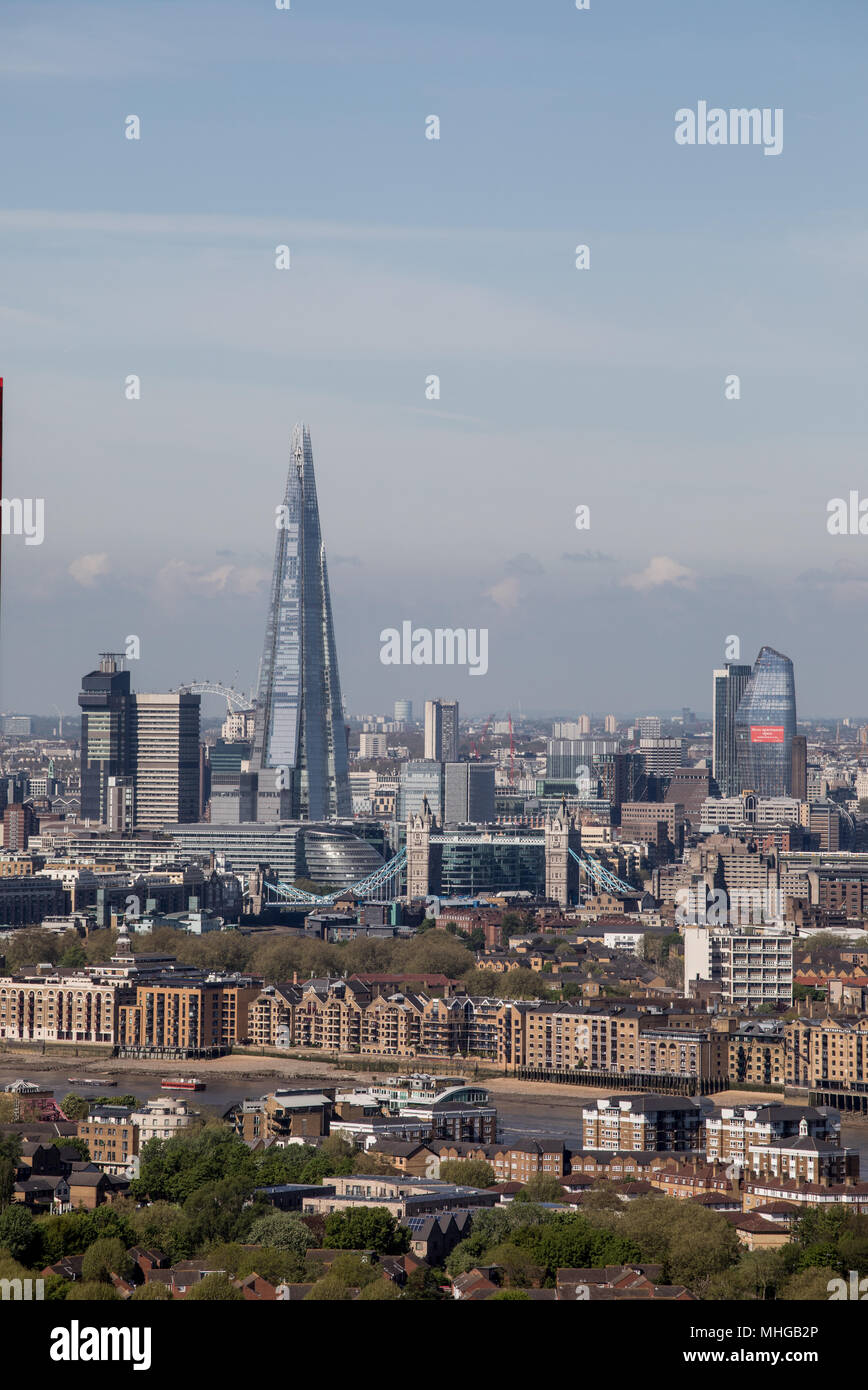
473	748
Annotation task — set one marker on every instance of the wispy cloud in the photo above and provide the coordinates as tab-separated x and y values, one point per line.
660	570
505	594
88	568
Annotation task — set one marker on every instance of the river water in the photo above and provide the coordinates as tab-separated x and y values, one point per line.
521	1114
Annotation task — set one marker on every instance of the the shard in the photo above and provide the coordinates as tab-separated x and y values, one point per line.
300	747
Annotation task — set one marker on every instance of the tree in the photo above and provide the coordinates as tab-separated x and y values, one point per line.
422	1286
379	1291
17	1230
509	1296
517	1264
328	1290
163	1226
216	1288
468	1172
72	1141
147	1293
366	1228
105	1258
541	1187
93	1293
74	955
217	1211
74	1107
10	1147
354	1271
282	1231
174	1169
810	1286
693	1244
7	1180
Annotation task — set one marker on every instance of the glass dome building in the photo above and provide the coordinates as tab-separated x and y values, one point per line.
765	725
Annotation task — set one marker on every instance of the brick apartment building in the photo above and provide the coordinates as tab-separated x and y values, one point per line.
642	1123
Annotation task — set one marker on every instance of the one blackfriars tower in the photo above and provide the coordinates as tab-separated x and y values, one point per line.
765	726
300	745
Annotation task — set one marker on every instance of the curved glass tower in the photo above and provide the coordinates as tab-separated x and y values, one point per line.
299	745
765	725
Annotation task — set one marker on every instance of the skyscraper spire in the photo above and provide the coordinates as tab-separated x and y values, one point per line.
299	748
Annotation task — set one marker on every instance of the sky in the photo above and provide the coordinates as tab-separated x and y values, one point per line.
412	257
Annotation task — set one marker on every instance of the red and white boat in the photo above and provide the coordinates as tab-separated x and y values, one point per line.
182	1083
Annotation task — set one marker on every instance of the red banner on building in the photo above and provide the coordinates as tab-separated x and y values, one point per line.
766	733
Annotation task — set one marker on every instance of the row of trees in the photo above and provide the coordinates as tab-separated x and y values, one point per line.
693	1246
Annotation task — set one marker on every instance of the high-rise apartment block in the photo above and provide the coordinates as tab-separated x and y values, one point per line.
730	684
469	793
166	759
441	730
649	726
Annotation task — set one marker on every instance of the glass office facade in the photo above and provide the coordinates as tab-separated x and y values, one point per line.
765	725
729	687
300	748
487	867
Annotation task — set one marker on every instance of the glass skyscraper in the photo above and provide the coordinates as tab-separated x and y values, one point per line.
299	745
765	725
730	684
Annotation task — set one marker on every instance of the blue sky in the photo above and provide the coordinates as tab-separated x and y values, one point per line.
454	257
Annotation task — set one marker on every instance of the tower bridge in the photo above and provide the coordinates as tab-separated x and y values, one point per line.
568	868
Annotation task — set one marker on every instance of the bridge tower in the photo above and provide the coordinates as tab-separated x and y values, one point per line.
419	830
562	834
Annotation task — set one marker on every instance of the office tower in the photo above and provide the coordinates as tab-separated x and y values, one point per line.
107	733
233	787
610	724
565	756
420	780
800	767
649	726
622	777
469	793
300	743
120	805
730	684
166	759
765	725
441	730
584	725
663	756
403	711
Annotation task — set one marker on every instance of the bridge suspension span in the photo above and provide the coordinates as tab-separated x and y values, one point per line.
386	880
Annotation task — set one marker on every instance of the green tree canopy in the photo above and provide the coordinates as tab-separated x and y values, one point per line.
366	1228
105	1258
468	1172
215	1288
17	1231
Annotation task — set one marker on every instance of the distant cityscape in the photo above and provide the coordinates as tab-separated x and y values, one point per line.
660	923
